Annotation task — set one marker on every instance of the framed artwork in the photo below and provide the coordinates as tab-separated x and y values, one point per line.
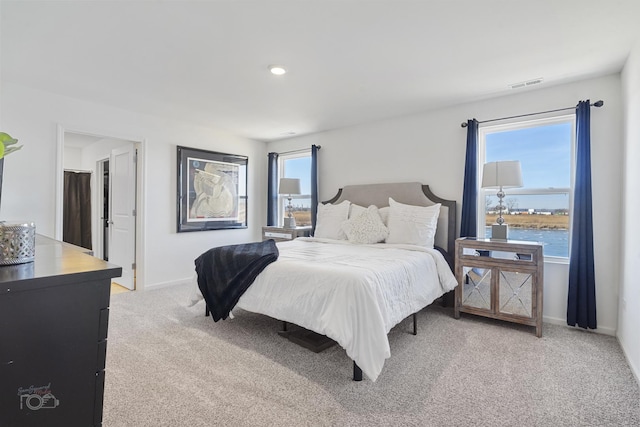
212	190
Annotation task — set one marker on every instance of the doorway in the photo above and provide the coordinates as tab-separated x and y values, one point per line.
103	225
115	194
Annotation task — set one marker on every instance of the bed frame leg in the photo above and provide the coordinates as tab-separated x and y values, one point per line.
284	326
357	372
415	324
206	310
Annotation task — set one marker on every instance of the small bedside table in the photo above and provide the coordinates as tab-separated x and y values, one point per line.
281	234
501	279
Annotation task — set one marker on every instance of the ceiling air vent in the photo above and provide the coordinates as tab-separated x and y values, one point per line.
526	84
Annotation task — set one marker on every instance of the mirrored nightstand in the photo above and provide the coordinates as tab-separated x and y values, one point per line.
501	279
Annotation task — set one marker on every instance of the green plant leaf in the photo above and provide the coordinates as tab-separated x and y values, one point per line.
10	142
10	150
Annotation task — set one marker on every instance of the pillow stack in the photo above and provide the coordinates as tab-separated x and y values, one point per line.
397	223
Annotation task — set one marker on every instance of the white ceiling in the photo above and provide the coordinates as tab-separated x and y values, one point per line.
349	61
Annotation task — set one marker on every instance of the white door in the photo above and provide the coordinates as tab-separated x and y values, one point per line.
122	219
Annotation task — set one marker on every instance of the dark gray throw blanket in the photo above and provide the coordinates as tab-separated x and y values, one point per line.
226	272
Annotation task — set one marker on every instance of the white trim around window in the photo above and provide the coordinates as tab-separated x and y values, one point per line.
483	131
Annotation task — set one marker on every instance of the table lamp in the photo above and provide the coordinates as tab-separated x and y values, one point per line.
289	186
504	174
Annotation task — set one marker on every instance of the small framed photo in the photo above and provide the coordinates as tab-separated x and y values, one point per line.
212	190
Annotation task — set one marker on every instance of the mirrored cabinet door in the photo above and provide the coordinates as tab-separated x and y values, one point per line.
516	294
476	288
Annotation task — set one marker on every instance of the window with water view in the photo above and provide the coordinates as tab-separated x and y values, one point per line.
540	210
297	166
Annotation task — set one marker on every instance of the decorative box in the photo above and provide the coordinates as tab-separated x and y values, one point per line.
17	242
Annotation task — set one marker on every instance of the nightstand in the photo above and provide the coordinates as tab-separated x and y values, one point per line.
281	234
501	279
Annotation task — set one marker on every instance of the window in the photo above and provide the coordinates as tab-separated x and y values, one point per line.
540	210
297	165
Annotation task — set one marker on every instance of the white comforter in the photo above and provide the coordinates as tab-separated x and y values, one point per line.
351	293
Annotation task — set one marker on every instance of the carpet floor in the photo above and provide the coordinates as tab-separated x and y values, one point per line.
168	365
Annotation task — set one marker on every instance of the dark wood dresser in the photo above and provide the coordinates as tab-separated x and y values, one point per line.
54	316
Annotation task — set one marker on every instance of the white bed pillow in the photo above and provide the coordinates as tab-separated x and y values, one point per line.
414	225
366	228
329	220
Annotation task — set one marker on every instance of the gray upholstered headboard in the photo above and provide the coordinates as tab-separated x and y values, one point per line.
410	193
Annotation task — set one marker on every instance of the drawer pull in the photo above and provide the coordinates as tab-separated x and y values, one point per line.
278	235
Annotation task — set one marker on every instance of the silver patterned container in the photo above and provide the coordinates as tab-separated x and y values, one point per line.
17	242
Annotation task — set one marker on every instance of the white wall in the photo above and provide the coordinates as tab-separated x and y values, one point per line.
73	158
430	148
629	314
32	116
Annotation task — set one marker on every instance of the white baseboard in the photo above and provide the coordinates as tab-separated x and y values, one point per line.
161	285
634	369
563	322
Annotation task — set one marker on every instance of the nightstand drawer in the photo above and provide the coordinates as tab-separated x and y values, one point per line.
281	234
278	235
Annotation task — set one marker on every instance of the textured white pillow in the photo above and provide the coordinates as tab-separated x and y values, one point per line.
329	220
414	225
356	210
384	214
366	227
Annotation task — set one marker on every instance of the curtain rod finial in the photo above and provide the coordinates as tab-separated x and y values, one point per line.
463	124
599	103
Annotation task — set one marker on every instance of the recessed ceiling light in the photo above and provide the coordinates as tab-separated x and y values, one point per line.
278	70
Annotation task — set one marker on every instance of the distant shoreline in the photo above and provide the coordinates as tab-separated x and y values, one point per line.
535	222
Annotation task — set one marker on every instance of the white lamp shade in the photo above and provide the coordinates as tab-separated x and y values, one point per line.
505	174
289	186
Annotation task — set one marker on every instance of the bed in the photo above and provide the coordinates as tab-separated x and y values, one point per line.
354	293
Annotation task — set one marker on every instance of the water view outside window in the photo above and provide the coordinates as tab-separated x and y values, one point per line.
298	167
540	210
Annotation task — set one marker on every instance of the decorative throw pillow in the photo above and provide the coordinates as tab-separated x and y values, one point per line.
329	220
384	214
366	227
414	225
356	210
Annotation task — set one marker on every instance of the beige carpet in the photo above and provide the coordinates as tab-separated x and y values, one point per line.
168	365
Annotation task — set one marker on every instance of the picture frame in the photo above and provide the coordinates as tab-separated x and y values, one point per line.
212	190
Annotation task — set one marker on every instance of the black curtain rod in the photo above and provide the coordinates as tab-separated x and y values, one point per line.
595	104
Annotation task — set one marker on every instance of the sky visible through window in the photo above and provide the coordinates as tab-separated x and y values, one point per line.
544	152
300	168
545	155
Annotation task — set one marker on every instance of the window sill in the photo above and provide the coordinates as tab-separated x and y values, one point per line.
556	260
